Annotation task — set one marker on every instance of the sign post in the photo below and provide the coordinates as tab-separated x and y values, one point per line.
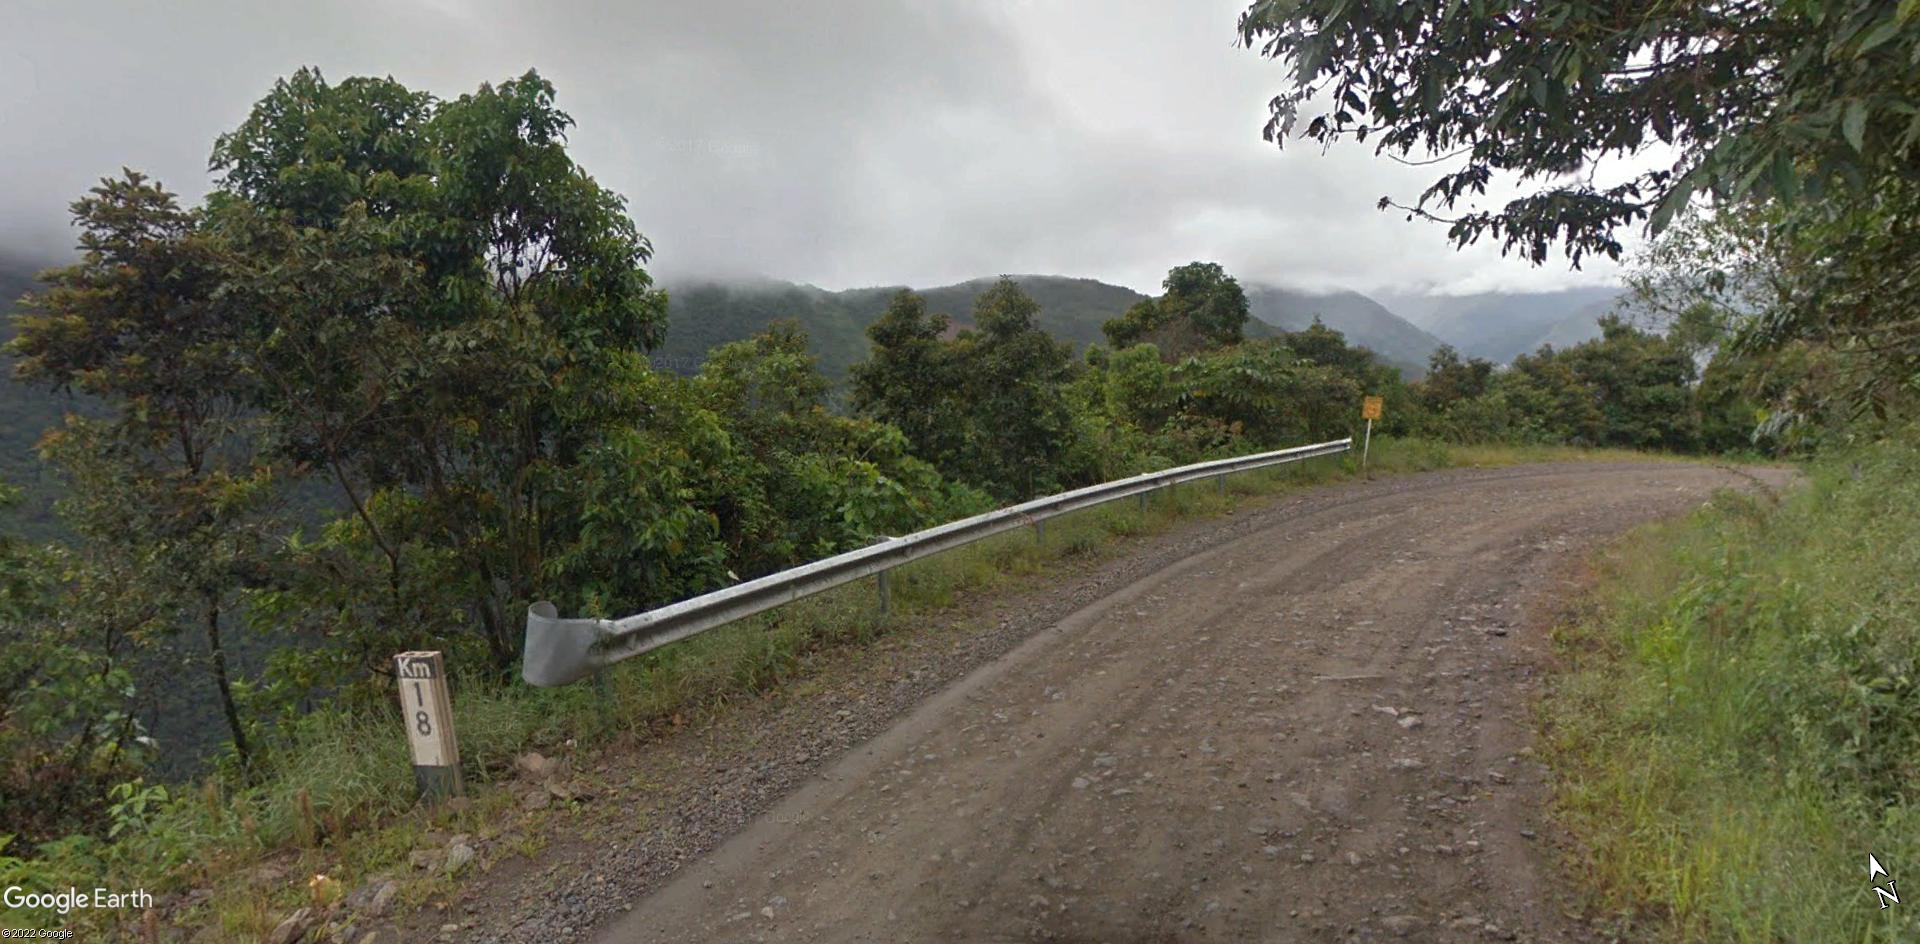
429	715
1370	410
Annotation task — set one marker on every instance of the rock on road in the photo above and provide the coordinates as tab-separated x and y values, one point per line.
1317	730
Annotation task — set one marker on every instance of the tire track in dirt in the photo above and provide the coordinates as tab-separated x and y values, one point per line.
1314	727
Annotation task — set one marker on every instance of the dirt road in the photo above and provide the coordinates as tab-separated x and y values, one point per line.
1315	730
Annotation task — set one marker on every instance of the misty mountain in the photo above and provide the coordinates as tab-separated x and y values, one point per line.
1581	326
1071	309
1501	325
1364	321
705	314
25	413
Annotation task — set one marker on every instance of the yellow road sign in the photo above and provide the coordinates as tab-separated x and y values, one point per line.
1370	408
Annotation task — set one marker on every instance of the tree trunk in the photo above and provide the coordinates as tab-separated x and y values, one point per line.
499	644
226	687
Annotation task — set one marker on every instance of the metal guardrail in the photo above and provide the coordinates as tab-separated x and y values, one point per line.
560	650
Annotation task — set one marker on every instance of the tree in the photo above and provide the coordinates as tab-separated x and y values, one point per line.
807	483
1550	402
172	484
1802	315
1450	380
1262	392
1327	346
1014	378
987	407
1642	383
67	727
1203	307
446	313
1758	99
911	379
1138	387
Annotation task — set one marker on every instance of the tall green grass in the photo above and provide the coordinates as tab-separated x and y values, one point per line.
1740	725
337	794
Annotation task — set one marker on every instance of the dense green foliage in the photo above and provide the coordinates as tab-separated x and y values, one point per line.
1298	388
1004	407
169	490
26	411
1758	99
985	406
1630	388
1816	303
1364	321
422	312
1203	307
1743	720
810	483
1497	325
1800	120
706	314
487	365
68	732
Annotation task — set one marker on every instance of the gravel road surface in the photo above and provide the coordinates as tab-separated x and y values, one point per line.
1311	726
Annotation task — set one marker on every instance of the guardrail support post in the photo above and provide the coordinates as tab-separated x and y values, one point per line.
1143	503
886	592
1040	532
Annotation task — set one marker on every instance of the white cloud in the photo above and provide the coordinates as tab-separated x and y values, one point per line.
842	144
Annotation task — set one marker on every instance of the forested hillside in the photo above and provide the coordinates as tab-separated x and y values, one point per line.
706	314
1496	326
1732	718
25	413
1071	309
424	307
1500	326
1582	325
1364	321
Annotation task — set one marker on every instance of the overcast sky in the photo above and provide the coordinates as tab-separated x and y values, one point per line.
837	142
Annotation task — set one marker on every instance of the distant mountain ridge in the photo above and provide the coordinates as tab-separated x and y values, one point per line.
1364	321
25	413
1403	329
1500	326
703	314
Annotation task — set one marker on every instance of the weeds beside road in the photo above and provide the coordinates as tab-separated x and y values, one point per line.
233	863
1740	728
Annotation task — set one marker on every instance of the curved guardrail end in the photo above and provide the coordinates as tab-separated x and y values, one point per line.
559	651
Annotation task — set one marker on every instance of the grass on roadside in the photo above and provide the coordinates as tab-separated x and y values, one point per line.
338	799
1739	725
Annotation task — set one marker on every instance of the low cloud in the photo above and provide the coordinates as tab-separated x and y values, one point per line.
855	143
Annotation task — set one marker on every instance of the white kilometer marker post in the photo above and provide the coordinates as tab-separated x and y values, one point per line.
429	716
